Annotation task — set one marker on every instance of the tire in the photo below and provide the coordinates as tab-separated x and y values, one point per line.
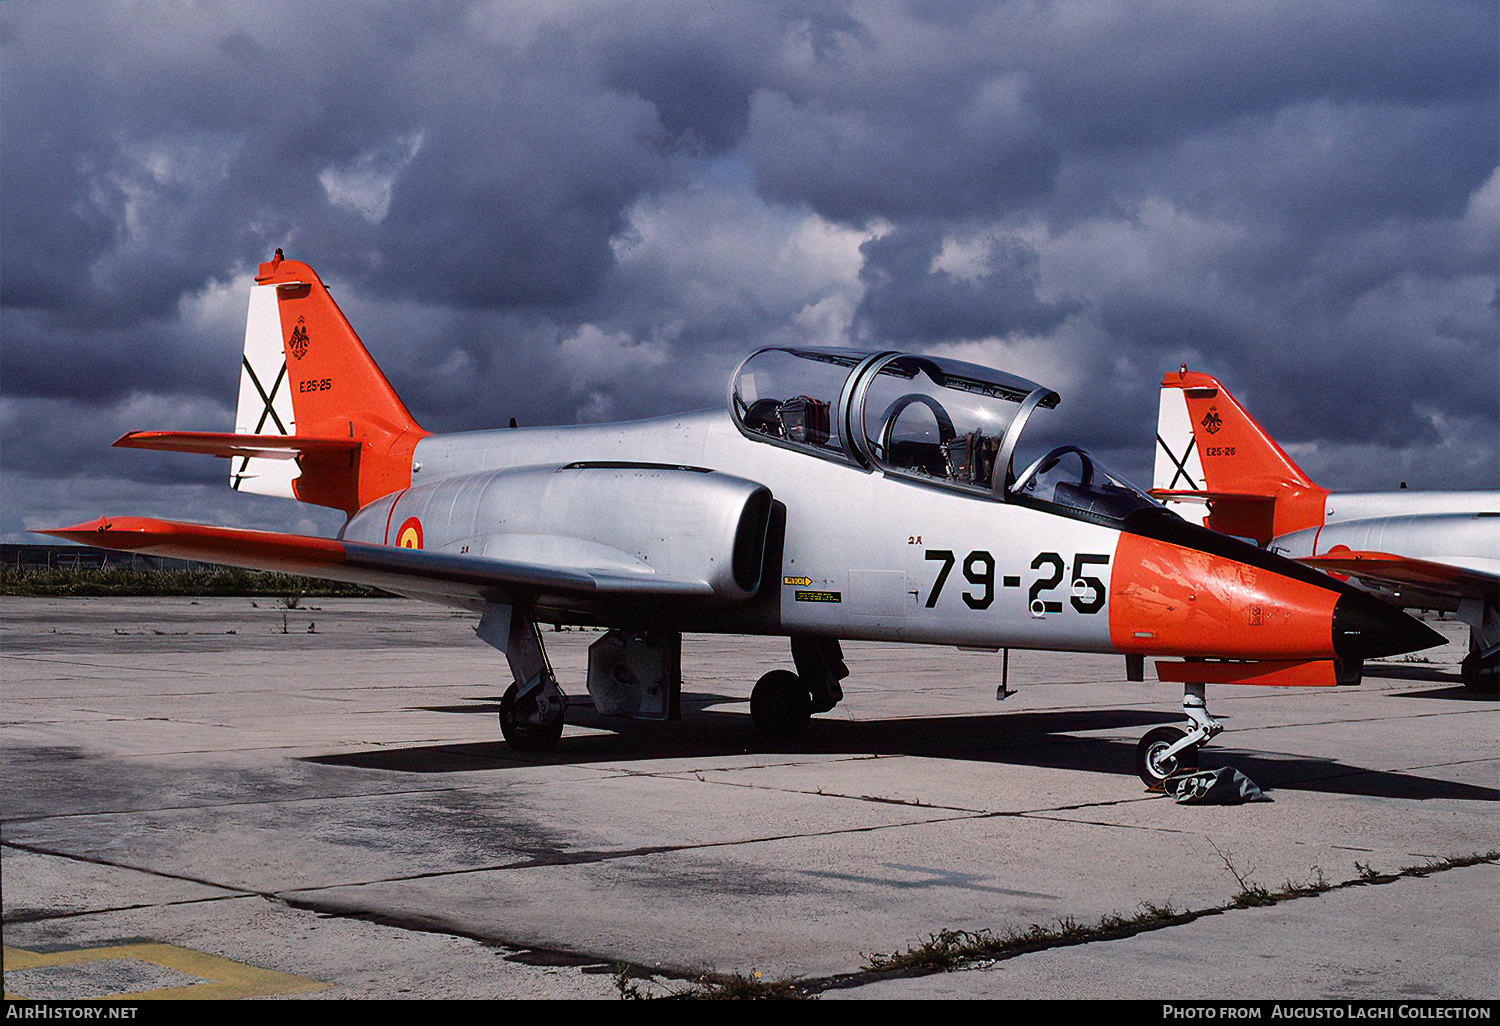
1149	765
780	705
526	737
1480	676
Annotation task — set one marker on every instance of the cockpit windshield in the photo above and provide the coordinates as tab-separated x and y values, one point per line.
1070	478
929	419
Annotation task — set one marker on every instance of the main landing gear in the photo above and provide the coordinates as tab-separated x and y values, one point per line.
1481	671
782	701
532	722
532	708
1481	667
1167	750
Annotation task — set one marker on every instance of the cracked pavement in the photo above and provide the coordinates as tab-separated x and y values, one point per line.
335	803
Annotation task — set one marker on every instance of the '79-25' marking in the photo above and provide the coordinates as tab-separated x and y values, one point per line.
1088	591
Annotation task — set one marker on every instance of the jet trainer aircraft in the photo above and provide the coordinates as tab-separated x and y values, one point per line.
841	495
1419	550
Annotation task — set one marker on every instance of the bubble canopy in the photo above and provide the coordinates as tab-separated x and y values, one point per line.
930	419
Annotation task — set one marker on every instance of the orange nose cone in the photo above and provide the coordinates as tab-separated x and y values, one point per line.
1169	599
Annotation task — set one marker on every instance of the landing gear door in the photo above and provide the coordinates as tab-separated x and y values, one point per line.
637	674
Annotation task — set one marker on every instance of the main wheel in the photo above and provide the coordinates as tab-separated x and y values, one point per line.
1152	762
780	704
526	737
1481	676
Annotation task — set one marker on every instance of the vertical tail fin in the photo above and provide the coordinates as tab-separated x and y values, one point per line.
316	419
1208	449
305	374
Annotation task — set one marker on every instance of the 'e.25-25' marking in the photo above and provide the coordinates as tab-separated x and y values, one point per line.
1088	591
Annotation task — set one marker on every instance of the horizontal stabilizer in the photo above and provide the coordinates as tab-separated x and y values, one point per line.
218	443
416	573
1234	513
1198	495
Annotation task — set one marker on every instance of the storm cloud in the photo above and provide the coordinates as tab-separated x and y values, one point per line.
589	211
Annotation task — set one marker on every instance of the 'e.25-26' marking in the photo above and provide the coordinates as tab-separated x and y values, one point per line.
1088	591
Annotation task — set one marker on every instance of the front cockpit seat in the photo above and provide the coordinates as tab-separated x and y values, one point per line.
762	416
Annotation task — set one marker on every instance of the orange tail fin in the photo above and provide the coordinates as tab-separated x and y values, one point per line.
316	420
1208	449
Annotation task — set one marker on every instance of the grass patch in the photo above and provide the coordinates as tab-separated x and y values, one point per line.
47	582
949	950
733	987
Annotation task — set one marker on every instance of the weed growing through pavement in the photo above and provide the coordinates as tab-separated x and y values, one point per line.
733	987
952	949
949	950
957	949
1252	895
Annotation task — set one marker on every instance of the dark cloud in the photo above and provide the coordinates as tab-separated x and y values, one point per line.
572	212
911	302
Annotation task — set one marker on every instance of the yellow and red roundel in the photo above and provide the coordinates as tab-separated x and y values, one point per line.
410	535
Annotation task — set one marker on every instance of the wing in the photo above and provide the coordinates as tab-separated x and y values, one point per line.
1387	568
415	573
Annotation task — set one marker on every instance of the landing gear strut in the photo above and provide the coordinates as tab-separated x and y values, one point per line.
1167	750
531	710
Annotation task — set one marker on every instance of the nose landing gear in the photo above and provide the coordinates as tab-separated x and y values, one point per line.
1167	750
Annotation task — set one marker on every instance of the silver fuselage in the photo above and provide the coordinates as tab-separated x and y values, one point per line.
857	558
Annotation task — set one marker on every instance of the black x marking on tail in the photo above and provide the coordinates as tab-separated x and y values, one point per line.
1181	464
269	410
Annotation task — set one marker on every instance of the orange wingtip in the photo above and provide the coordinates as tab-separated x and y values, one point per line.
235	546
1384	566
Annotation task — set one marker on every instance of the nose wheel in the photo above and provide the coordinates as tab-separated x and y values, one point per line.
1168	750
1161	753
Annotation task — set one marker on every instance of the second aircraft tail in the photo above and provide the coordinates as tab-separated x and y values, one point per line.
1209	450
